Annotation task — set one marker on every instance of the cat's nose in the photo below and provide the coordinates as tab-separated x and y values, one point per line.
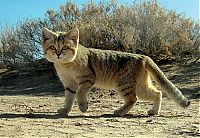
58	54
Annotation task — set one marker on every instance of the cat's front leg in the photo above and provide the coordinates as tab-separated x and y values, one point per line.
81	94
69	101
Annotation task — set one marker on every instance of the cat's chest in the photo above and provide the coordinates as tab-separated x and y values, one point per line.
67	73
70	73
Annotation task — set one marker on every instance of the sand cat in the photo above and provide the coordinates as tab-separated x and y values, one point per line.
80	68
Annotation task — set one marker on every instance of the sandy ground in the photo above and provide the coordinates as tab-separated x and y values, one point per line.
25	116
27	112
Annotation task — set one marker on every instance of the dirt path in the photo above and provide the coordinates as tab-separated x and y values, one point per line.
26	116
28	106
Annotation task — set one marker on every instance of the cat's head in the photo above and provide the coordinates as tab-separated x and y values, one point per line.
60	46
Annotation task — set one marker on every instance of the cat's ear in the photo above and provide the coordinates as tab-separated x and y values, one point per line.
46	34
74	35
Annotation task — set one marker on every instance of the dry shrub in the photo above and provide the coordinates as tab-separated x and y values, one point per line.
143	27
20	45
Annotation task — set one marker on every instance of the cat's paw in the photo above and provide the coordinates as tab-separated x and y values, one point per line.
119	113
63	111
152	112
83	107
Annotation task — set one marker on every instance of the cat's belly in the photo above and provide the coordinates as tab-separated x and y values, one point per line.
105	83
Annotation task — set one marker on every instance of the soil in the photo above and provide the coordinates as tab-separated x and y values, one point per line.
29	101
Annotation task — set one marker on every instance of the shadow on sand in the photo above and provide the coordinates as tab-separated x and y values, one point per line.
57	116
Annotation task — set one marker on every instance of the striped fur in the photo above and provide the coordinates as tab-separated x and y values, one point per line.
80	68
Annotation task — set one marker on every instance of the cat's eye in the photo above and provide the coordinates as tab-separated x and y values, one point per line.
53	47
65	48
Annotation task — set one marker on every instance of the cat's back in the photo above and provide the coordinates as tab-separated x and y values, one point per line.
108	65
110	57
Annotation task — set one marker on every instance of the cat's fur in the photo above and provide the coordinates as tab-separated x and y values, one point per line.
79	68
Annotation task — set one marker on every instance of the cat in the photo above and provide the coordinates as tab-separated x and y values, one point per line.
80	68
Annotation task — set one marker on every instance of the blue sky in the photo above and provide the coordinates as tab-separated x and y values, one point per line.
11	11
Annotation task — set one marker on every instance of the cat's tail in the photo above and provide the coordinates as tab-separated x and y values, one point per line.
167	86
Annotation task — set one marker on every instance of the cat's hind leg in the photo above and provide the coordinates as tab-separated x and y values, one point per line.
148	92
156	97
129	96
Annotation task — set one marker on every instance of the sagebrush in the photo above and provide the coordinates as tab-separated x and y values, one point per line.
143	27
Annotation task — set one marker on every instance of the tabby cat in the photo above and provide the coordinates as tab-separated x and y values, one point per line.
80	68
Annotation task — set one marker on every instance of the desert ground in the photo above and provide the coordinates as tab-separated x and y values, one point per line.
29	101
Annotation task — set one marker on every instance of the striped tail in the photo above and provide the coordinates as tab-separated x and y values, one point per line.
167	86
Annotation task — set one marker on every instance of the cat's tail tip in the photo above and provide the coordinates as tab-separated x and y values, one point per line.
186	103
